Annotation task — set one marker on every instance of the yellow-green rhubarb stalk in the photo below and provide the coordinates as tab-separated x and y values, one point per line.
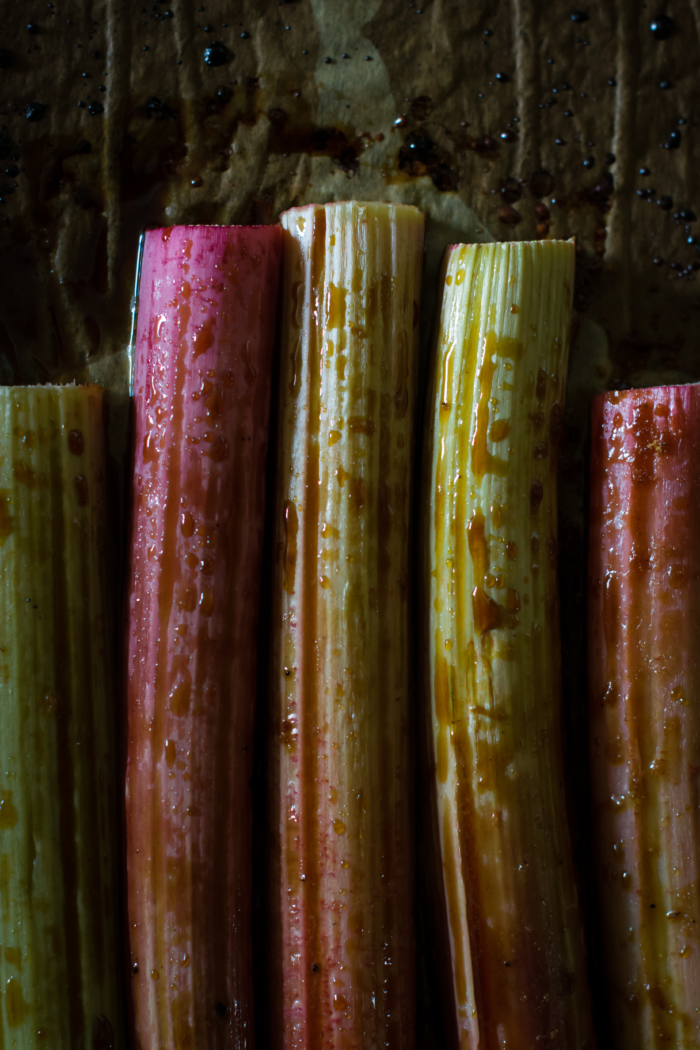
59	907
515	969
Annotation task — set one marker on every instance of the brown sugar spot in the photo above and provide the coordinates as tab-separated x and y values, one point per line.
6	519
24	474
180	699
536	494
8	811
75	442
14	1003
81	490
204	337
219	450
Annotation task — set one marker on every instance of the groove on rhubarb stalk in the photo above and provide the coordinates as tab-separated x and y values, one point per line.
341	928
59	968
202	381
515	961
645	731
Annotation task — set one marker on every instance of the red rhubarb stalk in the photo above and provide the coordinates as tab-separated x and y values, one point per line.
644	674
203	358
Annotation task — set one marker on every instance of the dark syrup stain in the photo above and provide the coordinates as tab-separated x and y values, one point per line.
509	216
597	197
339	144
35	111
217	54
541	184
419	155
662	27
543	219
511	190
422	153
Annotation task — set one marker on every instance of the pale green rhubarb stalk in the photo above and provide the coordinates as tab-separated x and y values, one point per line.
514	973
644	679
343	958
59	908
203	369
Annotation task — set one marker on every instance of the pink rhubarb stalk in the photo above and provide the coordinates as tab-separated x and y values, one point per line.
644	672
203	360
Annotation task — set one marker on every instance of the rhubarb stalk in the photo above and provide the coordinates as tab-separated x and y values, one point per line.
342	958
515	969
203	357
59	898
644	671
